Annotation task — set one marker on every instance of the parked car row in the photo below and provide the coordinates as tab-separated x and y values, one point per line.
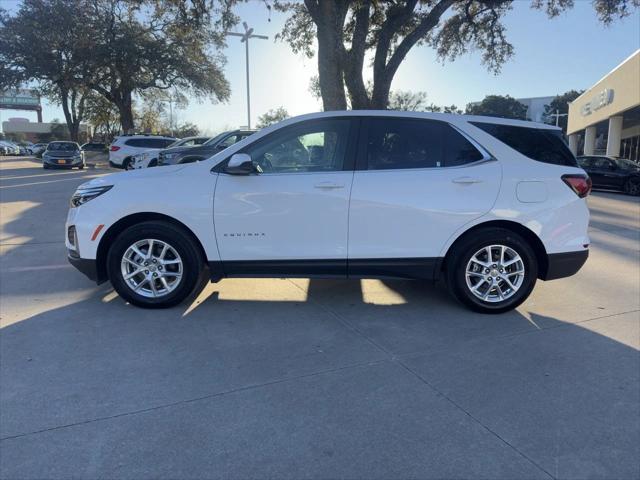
8	147
149	158
130	152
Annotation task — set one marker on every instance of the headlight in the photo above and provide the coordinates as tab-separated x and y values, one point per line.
84	194
169	156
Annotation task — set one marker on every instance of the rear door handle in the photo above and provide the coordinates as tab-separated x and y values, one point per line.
328	185
466	180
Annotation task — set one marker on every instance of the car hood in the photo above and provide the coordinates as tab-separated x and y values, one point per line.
135	175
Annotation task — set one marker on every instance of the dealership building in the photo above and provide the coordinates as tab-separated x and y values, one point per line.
605	119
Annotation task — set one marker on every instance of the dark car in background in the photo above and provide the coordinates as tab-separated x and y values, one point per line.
63	155
174	156
612	173
94	147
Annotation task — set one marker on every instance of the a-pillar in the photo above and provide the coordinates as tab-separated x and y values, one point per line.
589	140
614	137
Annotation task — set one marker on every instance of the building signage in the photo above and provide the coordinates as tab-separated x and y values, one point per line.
602	99
19	98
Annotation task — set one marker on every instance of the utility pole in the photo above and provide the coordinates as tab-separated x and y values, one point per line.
171	115
244	37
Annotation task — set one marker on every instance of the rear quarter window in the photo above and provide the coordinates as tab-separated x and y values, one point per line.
542	145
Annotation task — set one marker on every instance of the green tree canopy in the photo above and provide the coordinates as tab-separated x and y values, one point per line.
498	106
347	32
272	116
45	44
117	48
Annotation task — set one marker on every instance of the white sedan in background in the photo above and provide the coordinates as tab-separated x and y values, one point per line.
149	158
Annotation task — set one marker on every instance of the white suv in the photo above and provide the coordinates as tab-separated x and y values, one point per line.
489	205
124	147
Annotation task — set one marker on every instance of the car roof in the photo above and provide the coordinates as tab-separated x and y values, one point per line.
447	117
143	135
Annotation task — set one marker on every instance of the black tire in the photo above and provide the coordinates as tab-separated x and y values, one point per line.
45	166
461	254
632	187
81	167
126	165
194	273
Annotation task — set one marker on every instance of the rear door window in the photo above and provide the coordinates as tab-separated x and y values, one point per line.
403	143
398	143
149	142
543	145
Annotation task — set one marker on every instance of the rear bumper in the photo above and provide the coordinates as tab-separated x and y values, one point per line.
560	265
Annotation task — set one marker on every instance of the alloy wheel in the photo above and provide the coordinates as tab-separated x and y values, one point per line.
495	273
151	268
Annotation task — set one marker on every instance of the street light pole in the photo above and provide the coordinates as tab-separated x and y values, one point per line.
244	37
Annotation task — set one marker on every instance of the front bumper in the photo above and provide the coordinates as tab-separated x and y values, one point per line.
68	162
87	266
560	265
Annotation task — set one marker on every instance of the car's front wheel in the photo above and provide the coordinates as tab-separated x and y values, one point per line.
492	270
632	186
155	265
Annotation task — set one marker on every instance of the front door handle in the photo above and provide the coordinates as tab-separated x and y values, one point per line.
328	185
466	180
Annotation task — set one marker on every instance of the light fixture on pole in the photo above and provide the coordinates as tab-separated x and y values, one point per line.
244	37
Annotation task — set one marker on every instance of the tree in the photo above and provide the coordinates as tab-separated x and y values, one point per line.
157	51
187	130
560	104
409	101
59	131
103	116
45	44
348	31
498	106
274	115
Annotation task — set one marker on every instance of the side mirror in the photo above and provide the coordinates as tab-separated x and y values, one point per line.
240	164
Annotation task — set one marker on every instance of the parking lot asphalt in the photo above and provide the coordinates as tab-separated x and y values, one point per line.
297	378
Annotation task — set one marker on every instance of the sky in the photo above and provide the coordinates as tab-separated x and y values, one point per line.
572	51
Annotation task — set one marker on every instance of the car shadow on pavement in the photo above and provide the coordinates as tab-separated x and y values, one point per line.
324	378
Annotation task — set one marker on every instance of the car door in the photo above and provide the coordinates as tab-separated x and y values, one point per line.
293	217
416	183
604	173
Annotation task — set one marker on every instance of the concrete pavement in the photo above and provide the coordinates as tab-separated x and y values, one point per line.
296	378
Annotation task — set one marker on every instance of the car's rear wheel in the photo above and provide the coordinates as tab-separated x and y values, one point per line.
155	265
127	164
632	186
492	270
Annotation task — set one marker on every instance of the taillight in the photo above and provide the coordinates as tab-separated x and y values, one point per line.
580	184
114	148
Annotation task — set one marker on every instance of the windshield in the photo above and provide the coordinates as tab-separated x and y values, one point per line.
62	147
625	164
215	139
